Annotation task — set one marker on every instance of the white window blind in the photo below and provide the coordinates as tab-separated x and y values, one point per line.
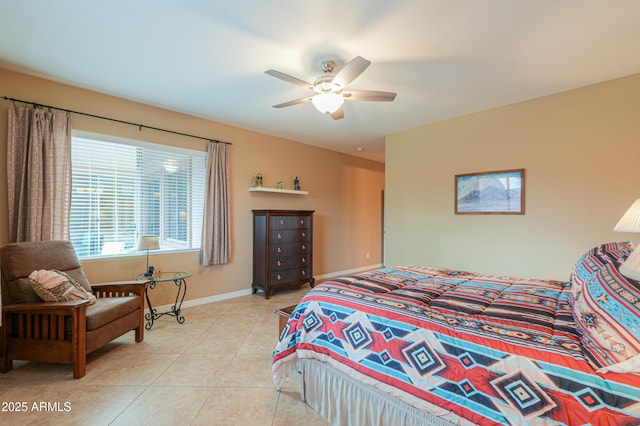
125	189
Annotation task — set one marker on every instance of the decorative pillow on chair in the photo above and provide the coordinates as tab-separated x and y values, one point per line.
56	286
607	314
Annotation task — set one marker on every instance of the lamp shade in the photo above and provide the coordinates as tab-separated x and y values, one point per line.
148	242
630	221
327	103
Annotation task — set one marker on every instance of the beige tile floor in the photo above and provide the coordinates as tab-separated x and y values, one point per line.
215	369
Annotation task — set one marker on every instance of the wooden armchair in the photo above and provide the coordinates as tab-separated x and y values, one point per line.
61	332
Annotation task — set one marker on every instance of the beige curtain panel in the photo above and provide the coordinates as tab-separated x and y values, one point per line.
216	239
38	173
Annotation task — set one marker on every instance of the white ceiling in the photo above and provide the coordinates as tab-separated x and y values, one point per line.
207	58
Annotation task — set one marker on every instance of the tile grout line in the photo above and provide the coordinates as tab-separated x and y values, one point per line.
150	384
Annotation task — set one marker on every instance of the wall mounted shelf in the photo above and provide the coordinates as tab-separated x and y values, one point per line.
276	190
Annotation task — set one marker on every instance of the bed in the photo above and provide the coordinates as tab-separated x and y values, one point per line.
415	345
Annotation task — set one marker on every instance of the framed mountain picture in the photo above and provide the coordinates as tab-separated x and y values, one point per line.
500	192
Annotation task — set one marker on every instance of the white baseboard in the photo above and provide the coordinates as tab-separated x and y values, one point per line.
204	300
348	272
246	292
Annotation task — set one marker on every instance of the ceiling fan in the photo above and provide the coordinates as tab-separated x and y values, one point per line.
329	88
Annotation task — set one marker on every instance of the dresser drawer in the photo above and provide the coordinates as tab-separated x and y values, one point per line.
289	235
281	263
282	249
290	275
290	222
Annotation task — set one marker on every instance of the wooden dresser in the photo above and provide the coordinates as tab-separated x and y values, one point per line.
282	250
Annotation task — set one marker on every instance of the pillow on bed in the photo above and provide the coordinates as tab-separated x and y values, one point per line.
56	286
590	262
607	314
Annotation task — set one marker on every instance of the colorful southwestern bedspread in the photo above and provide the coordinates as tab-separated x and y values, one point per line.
488	349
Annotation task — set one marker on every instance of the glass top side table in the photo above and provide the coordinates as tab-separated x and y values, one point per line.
180	281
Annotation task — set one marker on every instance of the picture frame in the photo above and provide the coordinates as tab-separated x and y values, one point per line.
498	192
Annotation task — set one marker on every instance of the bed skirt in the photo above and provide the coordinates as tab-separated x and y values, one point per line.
344	401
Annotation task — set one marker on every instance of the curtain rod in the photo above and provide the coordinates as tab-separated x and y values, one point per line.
139	126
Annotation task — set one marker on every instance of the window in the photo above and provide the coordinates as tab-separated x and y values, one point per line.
124	189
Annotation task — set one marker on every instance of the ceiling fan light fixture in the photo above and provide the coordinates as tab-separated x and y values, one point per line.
328	89
327	103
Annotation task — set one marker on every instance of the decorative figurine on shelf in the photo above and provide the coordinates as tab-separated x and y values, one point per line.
259	179
279	184
296	184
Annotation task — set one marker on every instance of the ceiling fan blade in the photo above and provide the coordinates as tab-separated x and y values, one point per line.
293	102
289	79
369	95
338	114
351	71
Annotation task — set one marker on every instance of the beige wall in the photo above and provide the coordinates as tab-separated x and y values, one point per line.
581	152
345	191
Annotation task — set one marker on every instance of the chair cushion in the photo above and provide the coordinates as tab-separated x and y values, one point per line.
20	291
18	260
107	309
56	286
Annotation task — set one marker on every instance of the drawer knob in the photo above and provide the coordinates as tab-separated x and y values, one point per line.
301	221
281	221
279	277
304	260
279	250
304	247
279	263
304	235
279	236
304	273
